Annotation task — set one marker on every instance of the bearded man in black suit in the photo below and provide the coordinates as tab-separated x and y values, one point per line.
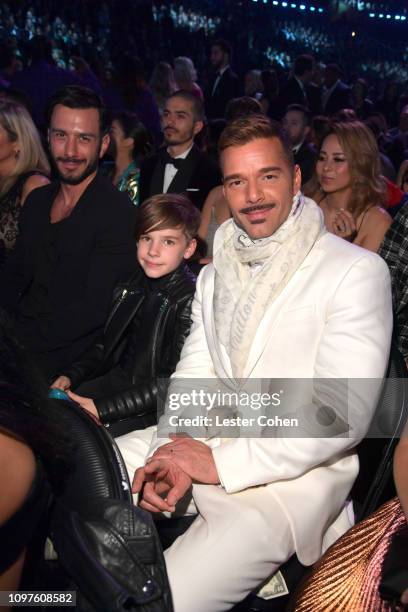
336	95
180	167
296	124
224	85
296	89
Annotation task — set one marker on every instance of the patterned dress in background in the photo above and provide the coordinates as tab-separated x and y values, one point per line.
10	208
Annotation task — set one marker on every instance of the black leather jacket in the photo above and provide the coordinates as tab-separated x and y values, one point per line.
165	320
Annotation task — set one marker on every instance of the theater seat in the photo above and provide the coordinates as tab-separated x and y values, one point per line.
97	472
98	468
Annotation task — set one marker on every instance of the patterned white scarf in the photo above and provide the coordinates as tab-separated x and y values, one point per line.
249	275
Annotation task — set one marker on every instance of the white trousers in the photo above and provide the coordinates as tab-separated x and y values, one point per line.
234	544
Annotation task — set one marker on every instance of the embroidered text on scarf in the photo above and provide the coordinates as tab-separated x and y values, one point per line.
250	275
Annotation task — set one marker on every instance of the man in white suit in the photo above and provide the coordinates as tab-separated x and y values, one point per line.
283	299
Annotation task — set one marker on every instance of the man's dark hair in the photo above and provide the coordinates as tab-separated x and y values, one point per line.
303	63
242	107
76	96
167	211
223	45
301	108
196	103
345	114
246	129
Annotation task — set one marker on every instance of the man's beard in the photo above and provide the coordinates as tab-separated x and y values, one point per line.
217	66
177	138
75	179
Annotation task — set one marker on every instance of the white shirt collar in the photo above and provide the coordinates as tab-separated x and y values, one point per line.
182	155
302	87
297	147
333	86
170	171
221	72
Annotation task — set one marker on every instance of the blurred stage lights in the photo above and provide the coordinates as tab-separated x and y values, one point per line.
314	9
293	5
383	16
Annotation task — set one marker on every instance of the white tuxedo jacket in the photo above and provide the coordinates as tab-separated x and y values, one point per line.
332	320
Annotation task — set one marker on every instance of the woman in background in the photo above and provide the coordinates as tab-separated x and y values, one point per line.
130	144
215	212
349	187
162	84
186	76
23	167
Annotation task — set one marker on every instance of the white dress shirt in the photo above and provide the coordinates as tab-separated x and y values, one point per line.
171	171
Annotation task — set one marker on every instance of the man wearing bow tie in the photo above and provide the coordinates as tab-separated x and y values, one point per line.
180	167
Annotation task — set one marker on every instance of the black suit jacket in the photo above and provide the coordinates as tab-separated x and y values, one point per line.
227	89
94	248
339	98
306	159
292	93
197	176
314	96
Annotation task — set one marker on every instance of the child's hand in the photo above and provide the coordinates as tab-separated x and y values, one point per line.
62	382
85	402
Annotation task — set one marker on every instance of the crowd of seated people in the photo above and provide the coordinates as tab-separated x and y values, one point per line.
162	146
321	90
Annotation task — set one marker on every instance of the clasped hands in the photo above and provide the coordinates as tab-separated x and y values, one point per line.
344	225
170	472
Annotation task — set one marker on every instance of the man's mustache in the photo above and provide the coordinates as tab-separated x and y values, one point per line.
249	209
71	160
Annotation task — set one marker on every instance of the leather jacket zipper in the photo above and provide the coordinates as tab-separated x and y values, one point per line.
163	314
116	306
